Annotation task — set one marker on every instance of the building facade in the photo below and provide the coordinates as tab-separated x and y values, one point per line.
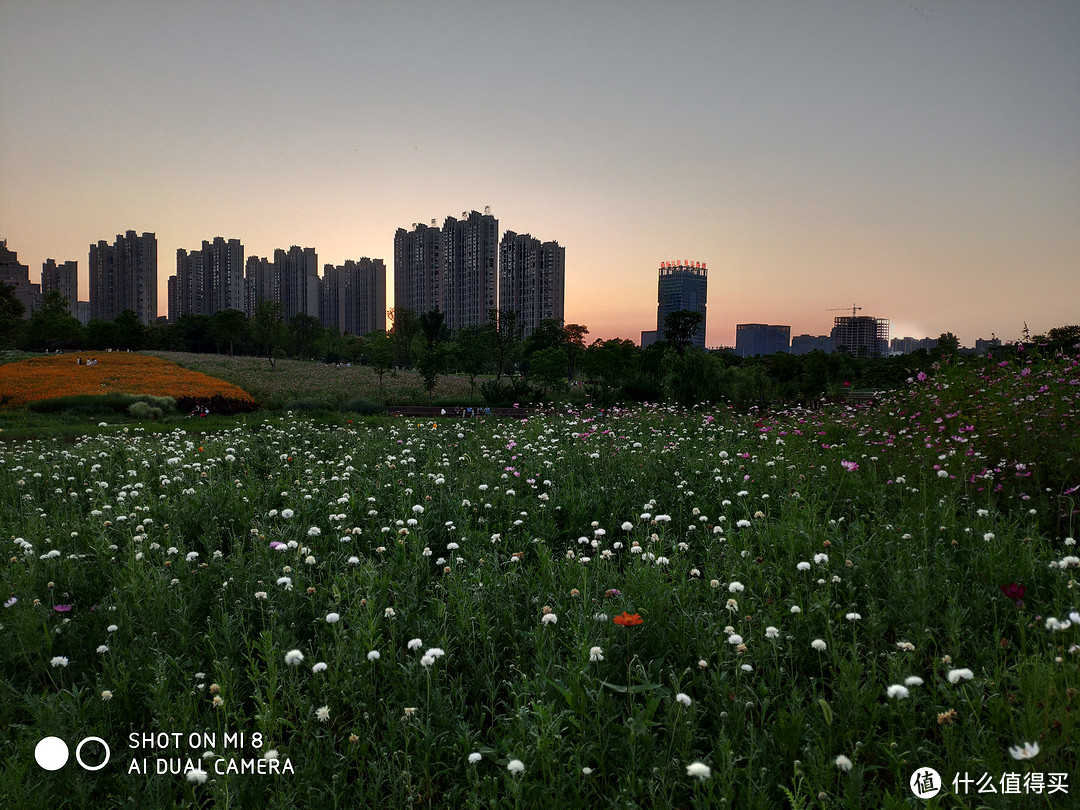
418	268
353	296
210	279
532	279
17	275
683	285
297	274
260	283
469	269
123	276
861	335
759	338
63	278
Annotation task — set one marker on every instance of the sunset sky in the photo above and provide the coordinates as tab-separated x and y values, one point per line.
921	160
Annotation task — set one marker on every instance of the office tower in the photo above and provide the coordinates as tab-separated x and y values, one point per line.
861	335
210	279
123	276
417	268
17	275
683	285
63	277
353	296
758	338
260	283
804	344
532	277
469	257
297	273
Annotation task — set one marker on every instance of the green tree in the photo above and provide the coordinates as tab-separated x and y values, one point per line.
11	316
130	332
228	326
470	352
306	332
547	368
575	345
380	352
52	327
680	327
404	326
505	335
268	329
948	344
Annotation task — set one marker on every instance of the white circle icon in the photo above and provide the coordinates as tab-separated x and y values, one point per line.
925	783
78	754
51	753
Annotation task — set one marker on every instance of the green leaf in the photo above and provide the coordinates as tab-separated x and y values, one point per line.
825	710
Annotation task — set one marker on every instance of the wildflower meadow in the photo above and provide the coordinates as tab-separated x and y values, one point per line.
649	607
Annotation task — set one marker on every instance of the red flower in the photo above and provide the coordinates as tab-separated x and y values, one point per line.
628	619
1015	592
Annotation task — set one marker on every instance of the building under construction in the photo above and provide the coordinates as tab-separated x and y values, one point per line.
861	335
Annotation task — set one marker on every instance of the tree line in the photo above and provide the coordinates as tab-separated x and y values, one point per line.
555	361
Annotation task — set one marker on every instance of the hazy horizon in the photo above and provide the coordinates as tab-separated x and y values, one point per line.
920	161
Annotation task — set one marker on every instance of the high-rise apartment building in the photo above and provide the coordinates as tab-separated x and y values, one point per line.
683	285
210	279
759	338
532	279
353	296
417	268
861	335
260	283
64	278
17	275
123	276
469	263
297	274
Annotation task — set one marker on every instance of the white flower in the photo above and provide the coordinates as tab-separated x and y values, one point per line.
332	617
427	660
549	618
843	763
287	513
913	680
736	587
683	698
735	639
107	695
818	644
803	566
907	646
436	652
112	628
102	649
475	757
323	713
389	613
897	691
293	658
772	632
1027	751
596	654
59	661
319	667
698	769
286	582
261	594
515	766
796	609
852	617
196	776
627	526
957	675
270	754
374	655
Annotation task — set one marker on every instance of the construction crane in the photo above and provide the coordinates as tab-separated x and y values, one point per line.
854	309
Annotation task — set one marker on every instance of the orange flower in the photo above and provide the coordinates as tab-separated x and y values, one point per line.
628	619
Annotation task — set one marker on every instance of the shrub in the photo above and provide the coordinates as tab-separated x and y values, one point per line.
144	410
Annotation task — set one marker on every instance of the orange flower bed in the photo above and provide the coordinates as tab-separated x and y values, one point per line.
115	372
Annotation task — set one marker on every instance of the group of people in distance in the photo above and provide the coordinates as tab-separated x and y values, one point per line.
90	361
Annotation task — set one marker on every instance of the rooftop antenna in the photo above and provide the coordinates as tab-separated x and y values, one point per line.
487	210
854	309
433	222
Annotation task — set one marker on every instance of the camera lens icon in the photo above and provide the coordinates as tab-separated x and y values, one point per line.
52	753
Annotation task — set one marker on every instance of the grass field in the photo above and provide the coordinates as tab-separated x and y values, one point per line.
658	608
325	385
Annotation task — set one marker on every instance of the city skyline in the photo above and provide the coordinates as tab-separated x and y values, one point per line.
922	163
